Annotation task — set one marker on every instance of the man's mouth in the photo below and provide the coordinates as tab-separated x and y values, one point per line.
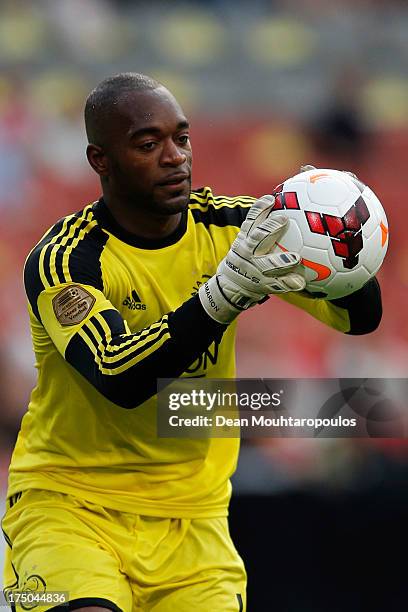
175	180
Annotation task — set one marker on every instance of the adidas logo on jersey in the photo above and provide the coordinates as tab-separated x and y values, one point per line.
134	302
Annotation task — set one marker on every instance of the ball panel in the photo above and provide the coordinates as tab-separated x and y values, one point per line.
317	267
345	283
373	221
328	192
292	240
374	252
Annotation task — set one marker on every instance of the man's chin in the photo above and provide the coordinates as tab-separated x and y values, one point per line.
174	203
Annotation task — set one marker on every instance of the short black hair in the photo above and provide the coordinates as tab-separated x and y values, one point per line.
106	95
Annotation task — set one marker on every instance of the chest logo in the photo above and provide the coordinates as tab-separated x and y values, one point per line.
133	302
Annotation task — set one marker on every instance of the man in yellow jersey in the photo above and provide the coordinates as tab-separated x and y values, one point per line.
100	512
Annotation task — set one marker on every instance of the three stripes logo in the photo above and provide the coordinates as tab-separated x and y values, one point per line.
345	232
134	302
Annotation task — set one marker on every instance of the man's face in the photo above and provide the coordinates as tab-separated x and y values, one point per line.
149	153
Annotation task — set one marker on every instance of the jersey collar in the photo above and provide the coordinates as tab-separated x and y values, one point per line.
107	221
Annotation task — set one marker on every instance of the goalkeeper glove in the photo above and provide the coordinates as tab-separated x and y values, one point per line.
249	272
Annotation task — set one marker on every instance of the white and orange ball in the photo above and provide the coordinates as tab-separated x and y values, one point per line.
337	225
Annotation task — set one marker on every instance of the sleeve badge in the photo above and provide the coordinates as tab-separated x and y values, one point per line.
72	305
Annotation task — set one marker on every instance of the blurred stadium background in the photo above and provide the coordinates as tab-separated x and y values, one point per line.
269	85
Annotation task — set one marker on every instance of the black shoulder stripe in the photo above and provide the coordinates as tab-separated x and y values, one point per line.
235	199
58	259
201	192
220	217
84	261
219	210
204	196
32	279
61	249
47	270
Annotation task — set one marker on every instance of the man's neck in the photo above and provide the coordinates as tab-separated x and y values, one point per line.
141	223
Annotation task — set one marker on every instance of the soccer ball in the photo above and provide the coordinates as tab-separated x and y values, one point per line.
337	225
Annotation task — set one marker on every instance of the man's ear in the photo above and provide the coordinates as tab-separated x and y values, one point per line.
97	159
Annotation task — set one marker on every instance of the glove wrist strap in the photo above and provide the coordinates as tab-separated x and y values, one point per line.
215	303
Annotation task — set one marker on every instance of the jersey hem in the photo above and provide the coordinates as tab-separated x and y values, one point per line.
159	509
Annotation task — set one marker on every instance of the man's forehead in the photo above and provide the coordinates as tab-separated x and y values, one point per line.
148	106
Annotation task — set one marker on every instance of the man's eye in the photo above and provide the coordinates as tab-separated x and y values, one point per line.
184	138
148	146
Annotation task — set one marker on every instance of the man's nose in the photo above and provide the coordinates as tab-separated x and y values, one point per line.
172	155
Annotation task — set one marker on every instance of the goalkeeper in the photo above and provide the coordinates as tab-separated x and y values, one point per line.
145	283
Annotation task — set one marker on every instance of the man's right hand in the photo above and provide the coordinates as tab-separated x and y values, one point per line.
249	272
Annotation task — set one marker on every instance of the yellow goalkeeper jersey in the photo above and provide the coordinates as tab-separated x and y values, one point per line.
110	313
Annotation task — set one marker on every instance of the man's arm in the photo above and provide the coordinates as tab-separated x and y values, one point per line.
125	366
356	314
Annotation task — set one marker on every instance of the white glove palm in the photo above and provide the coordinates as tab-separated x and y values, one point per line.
249	272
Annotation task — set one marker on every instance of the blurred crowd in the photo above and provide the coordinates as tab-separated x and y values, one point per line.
269	85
